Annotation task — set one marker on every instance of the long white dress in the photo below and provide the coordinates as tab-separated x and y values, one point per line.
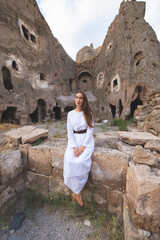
76	169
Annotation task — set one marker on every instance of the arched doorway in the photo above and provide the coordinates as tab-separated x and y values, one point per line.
7	81
120	107
41	109
39	114
85	81
57	111
113	110
137	101
9	116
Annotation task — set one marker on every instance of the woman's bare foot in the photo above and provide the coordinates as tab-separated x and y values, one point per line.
74	196
79	199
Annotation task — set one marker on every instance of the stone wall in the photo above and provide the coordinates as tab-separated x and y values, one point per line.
124	177
148	115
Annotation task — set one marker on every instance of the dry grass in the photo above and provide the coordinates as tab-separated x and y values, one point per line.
7	126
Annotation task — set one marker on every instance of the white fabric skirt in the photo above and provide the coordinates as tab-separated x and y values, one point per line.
76	183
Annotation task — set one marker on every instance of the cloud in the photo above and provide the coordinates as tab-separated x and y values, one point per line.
76	23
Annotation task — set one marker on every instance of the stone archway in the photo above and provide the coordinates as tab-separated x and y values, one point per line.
39	114
57	111
41	109
7	81
137	101
85	81
9	116
113	110
120	106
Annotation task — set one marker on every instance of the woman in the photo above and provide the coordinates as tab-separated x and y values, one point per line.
77	158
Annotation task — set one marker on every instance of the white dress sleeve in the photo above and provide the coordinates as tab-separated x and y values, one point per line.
71	138
88	137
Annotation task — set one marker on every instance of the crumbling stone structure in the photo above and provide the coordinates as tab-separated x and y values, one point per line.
127	66
38	79
124	176
34	66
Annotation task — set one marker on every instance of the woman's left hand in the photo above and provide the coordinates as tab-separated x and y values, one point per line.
81	149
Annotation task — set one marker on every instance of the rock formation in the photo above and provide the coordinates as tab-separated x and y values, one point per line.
34	66
38	79
128	64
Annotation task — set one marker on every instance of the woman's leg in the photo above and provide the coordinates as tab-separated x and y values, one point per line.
79	199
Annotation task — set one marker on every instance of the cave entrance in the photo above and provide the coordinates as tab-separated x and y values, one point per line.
57	111
7	81
113	110
39	114
34	116
134	105
120	107
41	109
9	116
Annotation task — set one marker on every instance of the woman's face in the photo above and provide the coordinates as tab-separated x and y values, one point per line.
79	100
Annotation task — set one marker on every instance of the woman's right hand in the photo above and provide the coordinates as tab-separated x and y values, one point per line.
76	152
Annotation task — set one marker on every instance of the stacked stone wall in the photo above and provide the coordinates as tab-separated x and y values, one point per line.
124	177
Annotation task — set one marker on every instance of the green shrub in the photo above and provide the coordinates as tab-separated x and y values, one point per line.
122	124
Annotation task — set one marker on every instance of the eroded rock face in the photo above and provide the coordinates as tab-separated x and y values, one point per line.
11	165
128	59
40	160
27	134
141	155
131	232
109	168
142	194
136	138
87	53
34	66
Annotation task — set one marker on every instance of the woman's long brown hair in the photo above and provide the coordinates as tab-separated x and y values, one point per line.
88	113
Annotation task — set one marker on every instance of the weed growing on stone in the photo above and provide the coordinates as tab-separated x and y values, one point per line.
39	141
122	124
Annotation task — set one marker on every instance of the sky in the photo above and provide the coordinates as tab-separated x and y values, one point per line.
77	23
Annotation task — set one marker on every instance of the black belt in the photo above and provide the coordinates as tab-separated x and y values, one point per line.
81	131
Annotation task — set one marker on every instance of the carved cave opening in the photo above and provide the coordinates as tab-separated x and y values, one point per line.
39	114
85	81
9	116
34	116
14	65
138	57
115	83
136	99
120	107
57	111
113	110
134	105
33	38
25	32
42	76
7	81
